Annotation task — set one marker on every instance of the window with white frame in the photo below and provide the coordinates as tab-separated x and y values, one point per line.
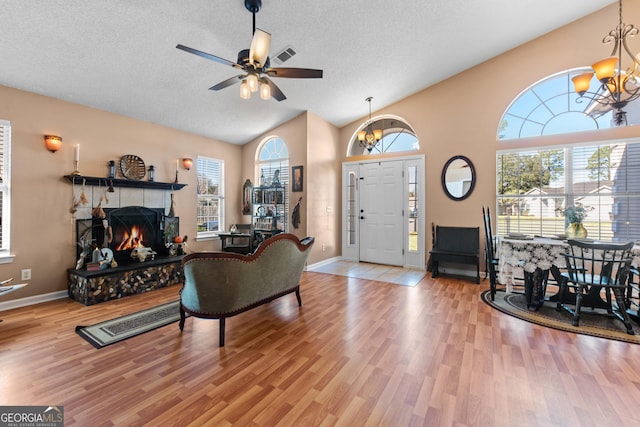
5	187
210	209
535	186
273	156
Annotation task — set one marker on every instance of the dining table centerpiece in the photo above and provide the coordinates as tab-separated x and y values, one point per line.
575	215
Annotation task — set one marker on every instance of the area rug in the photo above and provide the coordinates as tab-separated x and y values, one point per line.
594	324
112	331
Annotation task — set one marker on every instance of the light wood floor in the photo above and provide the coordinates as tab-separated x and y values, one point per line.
358	352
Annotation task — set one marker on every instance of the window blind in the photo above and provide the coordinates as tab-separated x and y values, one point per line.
534	187
210	196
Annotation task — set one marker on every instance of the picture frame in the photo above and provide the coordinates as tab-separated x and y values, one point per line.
297	179
171	228
246	197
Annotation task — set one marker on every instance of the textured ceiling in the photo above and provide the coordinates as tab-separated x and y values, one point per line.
120	56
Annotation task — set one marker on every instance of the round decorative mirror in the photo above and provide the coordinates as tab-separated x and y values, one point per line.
458	178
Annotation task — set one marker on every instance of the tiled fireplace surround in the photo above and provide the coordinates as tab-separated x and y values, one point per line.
92	287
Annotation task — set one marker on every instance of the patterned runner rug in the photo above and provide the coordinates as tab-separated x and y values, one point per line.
111	331
592	322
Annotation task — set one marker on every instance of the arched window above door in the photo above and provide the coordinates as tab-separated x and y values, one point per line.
397	136
551	106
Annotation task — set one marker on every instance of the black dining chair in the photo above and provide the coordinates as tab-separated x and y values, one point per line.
491	259
632	297
594	268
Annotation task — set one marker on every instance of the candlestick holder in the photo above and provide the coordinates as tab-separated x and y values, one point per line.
176	181
76	164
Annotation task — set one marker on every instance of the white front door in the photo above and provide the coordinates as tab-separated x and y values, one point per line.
381	213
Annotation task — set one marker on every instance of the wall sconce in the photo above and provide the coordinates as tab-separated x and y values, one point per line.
52	142
187	163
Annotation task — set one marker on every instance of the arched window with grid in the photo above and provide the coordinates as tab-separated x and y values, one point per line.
272	164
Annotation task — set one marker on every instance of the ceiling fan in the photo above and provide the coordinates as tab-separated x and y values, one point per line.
255	64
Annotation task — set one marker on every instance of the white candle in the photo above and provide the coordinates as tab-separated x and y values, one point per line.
176	165
77	153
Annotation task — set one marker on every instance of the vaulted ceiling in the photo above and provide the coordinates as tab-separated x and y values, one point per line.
121	56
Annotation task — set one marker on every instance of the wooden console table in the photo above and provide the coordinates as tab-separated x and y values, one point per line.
93	287
243	246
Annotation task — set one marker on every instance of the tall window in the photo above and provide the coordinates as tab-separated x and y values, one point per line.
210	211
273	159
536	185
5	187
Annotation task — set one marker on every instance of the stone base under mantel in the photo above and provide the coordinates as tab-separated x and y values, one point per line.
93	287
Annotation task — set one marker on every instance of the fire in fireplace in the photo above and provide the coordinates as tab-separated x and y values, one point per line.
130	240
132	227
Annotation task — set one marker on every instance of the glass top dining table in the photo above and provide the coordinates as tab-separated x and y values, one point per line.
532	258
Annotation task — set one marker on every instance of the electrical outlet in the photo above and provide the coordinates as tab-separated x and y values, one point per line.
25	274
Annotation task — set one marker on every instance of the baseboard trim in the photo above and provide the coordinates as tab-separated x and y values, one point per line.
36	299
323	263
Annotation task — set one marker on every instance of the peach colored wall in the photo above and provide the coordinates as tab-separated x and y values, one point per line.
461	115
322	188
42	229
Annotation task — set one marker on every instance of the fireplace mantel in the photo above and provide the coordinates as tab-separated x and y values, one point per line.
105	182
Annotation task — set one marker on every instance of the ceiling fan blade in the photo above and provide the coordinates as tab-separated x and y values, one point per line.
259	50
229	82
295	73
276	93
208	56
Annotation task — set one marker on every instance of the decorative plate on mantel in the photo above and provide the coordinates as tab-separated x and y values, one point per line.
132	167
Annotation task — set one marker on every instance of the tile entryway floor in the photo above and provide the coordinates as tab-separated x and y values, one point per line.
379	272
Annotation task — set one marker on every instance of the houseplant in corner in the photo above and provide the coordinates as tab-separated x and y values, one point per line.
575	215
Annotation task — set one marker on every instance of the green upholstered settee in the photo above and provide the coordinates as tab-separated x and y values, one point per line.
218	285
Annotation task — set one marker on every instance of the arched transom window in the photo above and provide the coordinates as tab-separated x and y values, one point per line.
551	106
397	136
272	156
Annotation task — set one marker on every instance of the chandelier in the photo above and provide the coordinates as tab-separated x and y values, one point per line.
369	137
618	87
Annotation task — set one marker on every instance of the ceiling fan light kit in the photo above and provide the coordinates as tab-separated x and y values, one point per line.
255	64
